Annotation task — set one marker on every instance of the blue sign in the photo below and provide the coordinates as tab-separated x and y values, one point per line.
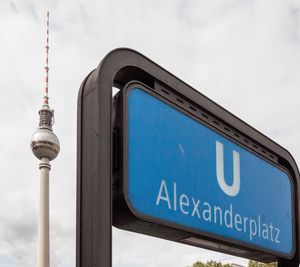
184	173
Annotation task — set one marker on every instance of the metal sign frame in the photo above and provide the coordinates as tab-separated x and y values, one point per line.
96	150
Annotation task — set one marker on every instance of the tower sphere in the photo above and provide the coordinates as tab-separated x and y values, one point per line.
45	144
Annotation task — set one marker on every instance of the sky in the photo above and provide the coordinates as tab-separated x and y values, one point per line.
245	55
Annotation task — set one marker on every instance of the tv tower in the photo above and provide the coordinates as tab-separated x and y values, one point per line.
45	146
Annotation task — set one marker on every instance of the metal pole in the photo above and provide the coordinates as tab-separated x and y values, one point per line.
289	263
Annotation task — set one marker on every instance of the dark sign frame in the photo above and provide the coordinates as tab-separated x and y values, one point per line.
97	158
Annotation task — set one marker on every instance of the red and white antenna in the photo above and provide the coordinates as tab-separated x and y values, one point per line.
46	97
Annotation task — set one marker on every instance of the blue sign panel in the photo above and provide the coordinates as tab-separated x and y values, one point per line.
184	173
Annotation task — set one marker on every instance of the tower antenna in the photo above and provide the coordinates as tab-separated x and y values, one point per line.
46	97
45	146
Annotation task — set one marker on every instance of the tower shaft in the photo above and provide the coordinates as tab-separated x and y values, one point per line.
43	254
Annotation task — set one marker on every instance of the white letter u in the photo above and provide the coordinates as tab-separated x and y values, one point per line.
234	189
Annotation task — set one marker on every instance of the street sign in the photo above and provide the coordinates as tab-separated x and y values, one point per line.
183	173
164	160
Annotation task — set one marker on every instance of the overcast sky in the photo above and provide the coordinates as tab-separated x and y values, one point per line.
245	55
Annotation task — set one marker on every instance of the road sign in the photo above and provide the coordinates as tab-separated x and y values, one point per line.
184	173
169	162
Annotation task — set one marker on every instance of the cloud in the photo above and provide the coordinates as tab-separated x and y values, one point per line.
17	229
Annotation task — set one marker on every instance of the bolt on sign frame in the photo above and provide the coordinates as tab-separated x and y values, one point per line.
102	160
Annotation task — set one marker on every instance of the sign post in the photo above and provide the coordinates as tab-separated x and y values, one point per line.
166	161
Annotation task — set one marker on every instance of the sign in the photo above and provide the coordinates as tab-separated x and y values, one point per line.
162	159
184	173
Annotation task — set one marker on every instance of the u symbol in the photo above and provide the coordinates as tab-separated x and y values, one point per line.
234	189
